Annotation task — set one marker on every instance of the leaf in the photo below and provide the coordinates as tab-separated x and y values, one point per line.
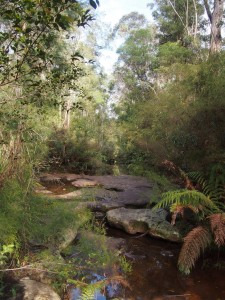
196	241
217	222
93	4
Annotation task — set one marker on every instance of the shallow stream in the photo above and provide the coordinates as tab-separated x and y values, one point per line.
155	275
154	271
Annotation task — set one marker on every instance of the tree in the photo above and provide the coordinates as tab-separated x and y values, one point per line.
178	20
215	16
26	33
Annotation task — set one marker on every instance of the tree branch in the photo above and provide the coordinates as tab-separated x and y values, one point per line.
207	8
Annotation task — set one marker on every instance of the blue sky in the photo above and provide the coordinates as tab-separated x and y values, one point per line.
111	11
115	9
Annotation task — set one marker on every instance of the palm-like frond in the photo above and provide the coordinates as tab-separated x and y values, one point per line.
196	241
213	184
217	222
208	204
193	199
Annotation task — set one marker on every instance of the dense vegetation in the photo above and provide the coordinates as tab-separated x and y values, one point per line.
168	85
163	111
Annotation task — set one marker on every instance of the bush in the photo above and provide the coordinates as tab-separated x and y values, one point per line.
80	155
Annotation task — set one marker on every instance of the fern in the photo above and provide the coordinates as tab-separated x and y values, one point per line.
211	184
88	294
193	199
196	241
217	222
208	204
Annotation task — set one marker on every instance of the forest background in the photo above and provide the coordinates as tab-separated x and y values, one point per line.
161	111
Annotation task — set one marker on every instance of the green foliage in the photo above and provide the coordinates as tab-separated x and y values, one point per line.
193	199
126	267
77	154
28	28
5	253
177	21
174	52
211	182
27	218
209	207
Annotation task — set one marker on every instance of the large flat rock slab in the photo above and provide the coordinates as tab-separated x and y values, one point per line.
144	220
108	191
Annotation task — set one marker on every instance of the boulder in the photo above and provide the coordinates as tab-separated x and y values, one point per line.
34	290
67	238
144	220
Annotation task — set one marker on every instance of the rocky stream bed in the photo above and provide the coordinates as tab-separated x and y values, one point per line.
145	237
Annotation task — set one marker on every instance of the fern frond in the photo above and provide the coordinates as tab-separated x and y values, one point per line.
197	177
217	222
213	184
192	198
196	241
217	175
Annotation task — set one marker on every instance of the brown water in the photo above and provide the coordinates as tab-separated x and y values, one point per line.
155	275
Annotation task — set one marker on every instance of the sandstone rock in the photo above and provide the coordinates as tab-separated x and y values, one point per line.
34	290
51	178
43	192
67	238
70	177
81	183
69	196
115	243
103	206
144	220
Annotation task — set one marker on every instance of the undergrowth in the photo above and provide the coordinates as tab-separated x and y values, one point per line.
204	196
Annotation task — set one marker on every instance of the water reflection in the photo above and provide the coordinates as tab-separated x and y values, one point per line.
155	275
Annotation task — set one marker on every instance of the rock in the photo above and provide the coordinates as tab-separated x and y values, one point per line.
99	215
34	290
51	178
70	177
115	243
64	239
111	192
43	192
144	220
122	191
67	238
81	183
103	206
69	196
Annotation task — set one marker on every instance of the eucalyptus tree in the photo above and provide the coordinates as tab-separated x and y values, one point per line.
215	11
185	21
178	20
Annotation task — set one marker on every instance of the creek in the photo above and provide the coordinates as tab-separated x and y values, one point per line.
154	273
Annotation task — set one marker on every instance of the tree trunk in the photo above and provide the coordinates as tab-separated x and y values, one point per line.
216	18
